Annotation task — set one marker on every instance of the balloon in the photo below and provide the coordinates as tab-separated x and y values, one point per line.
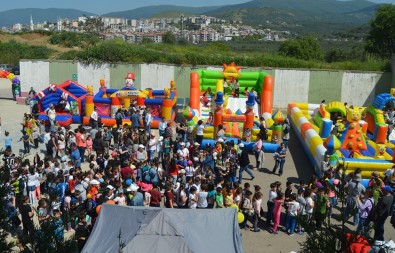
98	209
10	76
188	113
110	202
235	206
240	217
191	123
15	80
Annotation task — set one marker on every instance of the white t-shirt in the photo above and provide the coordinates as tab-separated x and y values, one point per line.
199	129
94	116
33	180
202	201
153	143
66	200
189	171
293	208
183	152
120	200
309	205
51	113
272	195
192	202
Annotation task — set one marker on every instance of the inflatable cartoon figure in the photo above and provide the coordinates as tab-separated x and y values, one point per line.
354	138
380	151
167	92
129	80
89	89
172	85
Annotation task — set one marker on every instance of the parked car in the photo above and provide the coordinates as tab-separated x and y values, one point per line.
6	67
15	70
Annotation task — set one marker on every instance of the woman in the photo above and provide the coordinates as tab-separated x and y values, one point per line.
220	132
33	180
141	154
202	197
182	199
365	205
169	197
199	132
257	151
181	130
280	155
173	170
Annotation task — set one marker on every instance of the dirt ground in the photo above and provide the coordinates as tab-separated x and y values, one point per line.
296	168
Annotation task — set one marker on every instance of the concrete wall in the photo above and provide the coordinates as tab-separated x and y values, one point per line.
290	85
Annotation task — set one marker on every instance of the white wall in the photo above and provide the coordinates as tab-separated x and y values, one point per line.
91	74
290	86
34	73
358	88
156	76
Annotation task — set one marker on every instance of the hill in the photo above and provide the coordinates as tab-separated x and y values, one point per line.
22	16
150	11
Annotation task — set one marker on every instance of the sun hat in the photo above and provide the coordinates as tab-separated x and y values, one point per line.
196	144
160	138
182	171
141	146
375	174
387	188
189	162
182	143
146	187
241	145
128	182
114	153
110	187
220	140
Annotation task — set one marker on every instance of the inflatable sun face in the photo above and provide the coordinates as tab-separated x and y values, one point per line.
89	89
129	83
231	71
353	115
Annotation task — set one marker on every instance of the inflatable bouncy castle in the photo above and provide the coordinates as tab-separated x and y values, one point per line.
107	101
68	99
236	100
355	136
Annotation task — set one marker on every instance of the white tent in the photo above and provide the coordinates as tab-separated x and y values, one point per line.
165	230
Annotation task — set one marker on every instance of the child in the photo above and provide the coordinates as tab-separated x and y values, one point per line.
247	209
293	209
246	92
58	226
36	137
219	198
204	100
277	211
256	202
89	145
229	198
210	119
26	142
42	211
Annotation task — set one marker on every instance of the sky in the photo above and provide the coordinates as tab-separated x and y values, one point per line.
103	6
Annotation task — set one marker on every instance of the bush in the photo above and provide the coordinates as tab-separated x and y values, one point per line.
11	52
306	48
70	39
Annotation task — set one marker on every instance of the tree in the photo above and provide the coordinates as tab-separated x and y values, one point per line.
381	38
169	38
306	48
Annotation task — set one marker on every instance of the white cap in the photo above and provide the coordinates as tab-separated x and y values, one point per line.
182	143
241	145
197	144
95	182
141	146
133	188
182	171
71	177
220	140
160	138
86	179
110	187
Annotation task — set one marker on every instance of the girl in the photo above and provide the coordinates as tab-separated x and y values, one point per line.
247	209
204	100
210	119
89	145
256	202
278	202
33	180
193	198
169	196
61	145
309	205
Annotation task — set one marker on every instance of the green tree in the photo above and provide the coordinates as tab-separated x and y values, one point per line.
306	48
381	38
169	38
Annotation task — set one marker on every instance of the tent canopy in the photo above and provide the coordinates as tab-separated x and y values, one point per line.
165	230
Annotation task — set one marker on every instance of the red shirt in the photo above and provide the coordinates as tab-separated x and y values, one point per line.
125	172
156	197
169	198
173	170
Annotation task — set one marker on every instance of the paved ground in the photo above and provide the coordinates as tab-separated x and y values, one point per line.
296	168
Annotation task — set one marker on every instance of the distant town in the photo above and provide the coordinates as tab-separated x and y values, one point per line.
195	29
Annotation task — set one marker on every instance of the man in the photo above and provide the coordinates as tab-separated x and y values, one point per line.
244	163
51	113
32	92
138	198
94	118
148	121
162	127
151	147
286	129
383	211
135	119
325	165
279	156
27	217
355	189
75	156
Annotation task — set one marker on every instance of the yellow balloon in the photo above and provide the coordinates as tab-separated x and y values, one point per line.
240	217
235	206
10	76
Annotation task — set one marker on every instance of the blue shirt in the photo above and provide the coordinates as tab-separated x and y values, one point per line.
138	199
75	156
162	126
135	120
7	141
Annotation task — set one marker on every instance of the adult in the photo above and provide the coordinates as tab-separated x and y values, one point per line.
151	147
135	119
81	142
156	196
148	121
33	180
162	127
199	132
138	198
382	209
75	156
27	217
280	155
325	164
99	145
51	113
118	118
94	118
365	205
244	163
258	151
355	189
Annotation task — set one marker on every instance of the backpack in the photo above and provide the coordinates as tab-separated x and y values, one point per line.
146	178
372	215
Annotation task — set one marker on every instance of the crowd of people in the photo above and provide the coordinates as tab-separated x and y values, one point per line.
136	166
